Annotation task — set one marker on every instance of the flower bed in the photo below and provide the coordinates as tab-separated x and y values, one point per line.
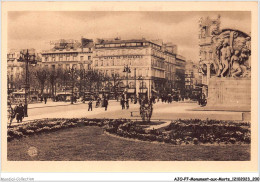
178	132
49	125
187	132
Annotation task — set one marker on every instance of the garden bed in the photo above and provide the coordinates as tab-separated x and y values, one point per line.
177	133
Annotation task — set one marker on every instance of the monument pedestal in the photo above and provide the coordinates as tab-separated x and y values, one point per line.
229	94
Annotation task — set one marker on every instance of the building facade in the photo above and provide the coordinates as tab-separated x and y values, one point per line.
14	70
180	75
149	65
66	54
193	79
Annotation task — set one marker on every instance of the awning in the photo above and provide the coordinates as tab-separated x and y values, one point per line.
131	91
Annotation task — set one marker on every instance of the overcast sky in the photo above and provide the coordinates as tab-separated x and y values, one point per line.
37	29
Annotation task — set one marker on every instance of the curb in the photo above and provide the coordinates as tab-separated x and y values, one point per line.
57	105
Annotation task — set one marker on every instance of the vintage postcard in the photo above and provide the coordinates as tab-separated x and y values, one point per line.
129	86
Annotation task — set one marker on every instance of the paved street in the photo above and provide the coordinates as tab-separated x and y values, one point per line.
162	111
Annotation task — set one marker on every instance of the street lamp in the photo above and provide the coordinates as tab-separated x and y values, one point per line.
127	70
72	72
27	57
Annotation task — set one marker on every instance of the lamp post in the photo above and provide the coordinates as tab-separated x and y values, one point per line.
135	88
127	70
28	58
84	82
71	73
140	78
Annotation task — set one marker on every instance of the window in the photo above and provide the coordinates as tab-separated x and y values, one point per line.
139	72
46	59
142	84
143	72
96	62
89	57
81	58
131	85
89	49
132	72
101	63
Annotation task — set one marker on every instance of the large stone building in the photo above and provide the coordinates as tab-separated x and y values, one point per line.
152	65
14	70
135	66
66	54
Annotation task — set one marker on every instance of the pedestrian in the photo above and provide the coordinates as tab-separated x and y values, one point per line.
98	102
90	105
123	103
105	103
19	111
127	104
11	114
45	99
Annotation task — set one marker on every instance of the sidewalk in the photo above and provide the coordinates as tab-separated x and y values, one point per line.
161	111
55	104
50	104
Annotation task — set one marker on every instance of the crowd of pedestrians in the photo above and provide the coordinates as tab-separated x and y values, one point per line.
99	103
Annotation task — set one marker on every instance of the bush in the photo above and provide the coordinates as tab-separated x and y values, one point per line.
177	132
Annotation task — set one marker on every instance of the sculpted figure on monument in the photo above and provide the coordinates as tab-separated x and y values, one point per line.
232	54
235	62
225	58
216	46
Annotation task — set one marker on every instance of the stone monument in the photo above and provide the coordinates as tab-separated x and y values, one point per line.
225	61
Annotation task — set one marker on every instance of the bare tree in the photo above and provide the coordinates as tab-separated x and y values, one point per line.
41	75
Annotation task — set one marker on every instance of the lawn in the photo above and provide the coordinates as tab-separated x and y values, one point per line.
90	143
